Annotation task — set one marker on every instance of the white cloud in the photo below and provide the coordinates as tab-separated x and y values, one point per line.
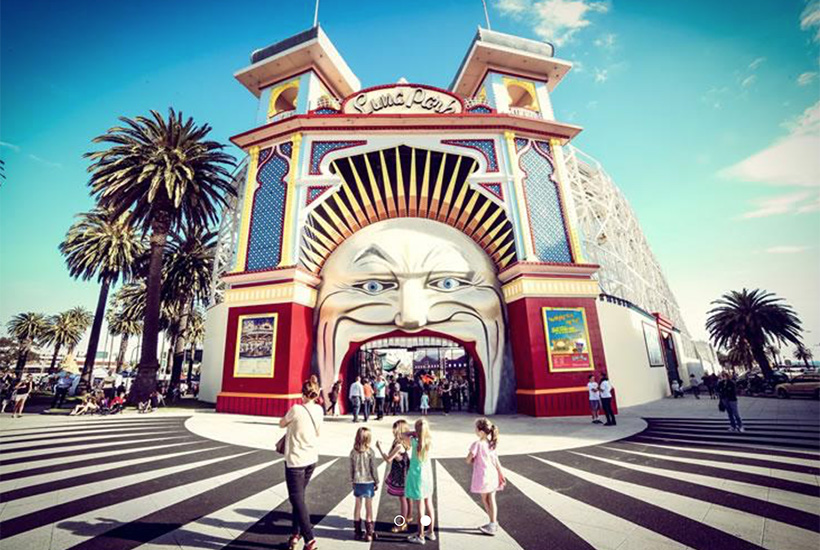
601	75
756	63
13	147
554	20
786	249
806	78
748	81
47	162
791	160
606	41
779	205
810	18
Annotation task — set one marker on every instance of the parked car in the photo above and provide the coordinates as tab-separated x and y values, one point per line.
753	382
806	385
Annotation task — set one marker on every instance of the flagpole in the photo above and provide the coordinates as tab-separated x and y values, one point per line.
316	15
484	2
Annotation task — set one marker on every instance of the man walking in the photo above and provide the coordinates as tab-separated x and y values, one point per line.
356	395
606	400
381	392
727	392
404	392
594	399
61	389
694	383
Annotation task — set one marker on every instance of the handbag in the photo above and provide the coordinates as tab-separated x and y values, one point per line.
721	406
280	445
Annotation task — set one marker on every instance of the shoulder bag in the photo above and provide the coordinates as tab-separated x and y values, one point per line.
280	445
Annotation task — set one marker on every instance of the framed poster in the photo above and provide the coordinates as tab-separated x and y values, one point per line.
568	348
255	345
653	345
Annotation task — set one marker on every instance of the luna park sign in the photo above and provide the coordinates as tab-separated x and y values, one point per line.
402	99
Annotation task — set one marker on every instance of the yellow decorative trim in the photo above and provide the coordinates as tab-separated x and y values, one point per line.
276	92
520	200
245	222
583	311
292	291
547	391
290	204
564	196
239	342
528	86
262	395
525	287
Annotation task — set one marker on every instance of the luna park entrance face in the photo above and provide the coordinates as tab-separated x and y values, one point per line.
439	368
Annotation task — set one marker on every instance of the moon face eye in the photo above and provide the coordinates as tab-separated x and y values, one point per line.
374	287
447	284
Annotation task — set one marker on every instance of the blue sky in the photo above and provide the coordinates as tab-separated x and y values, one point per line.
706	114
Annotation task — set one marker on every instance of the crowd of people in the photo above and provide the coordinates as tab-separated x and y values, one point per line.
408	477
393	395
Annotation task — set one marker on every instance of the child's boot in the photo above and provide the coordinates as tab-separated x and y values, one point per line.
357	525
371	531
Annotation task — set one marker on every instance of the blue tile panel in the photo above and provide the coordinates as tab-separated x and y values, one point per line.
481	109
544	206
494	188
326	111
485	146
268	212
520	143
315	191
318	150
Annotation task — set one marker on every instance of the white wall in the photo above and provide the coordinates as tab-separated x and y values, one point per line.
635	382
213	353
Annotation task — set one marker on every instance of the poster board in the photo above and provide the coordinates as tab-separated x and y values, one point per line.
653	345
255	345
567	334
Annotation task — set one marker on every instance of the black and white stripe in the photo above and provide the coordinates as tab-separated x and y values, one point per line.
147	482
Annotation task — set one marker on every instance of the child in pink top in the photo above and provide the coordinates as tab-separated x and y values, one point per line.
487	476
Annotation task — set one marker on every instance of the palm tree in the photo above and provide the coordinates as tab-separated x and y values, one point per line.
169	175
100	244
802	353
125	328
188	271
755	316
740	354
83	318
774	351
28	329
64	329
194	333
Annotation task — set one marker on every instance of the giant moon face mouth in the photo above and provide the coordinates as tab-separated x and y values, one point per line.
410	276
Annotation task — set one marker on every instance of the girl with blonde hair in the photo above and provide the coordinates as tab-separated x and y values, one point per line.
396	478
419	484
487	475
365	482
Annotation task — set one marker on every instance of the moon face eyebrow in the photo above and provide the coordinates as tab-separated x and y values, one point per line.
373	251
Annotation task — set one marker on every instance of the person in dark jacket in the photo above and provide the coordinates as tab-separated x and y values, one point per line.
727	392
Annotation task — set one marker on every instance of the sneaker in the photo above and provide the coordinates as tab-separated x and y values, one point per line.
489	529
730	429
432	536
415	539
741	429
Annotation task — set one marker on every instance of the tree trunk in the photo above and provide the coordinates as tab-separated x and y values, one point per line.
22	357
94	339
121	353
762	361
54	357
191	364
179	346
146	381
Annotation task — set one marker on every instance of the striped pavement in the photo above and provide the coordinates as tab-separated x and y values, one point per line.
148	483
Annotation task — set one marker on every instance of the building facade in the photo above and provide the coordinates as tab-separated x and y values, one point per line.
408	216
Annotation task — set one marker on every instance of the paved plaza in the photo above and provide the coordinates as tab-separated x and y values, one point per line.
668	476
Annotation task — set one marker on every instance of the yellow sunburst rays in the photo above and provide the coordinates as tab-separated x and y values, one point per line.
412	205
452	217
400	197
435	200
374	186
388	188
448	194
365	198
358	219
425	187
